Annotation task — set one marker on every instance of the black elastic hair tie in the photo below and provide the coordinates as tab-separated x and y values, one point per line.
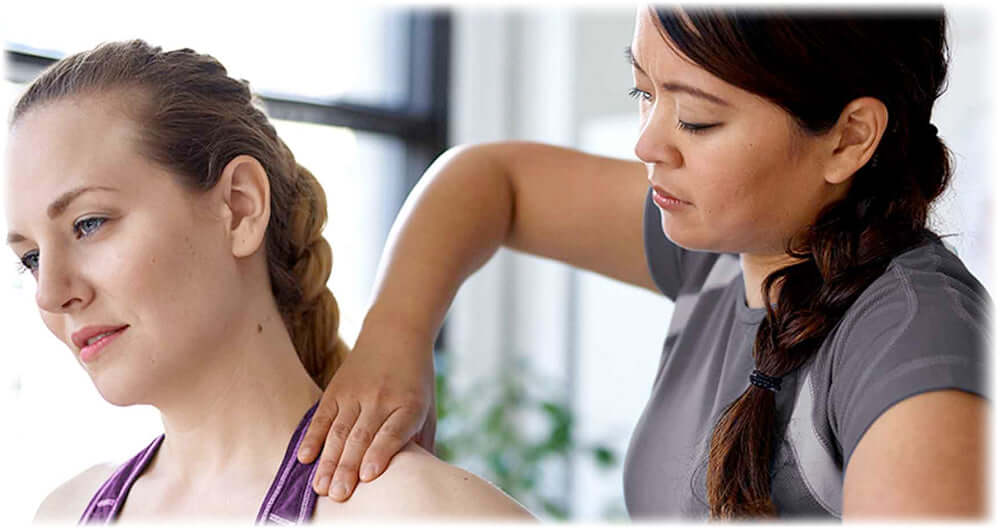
763	381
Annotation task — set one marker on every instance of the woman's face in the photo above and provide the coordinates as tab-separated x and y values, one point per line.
749	177
114	242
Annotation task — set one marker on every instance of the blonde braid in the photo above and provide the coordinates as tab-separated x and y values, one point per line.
314	321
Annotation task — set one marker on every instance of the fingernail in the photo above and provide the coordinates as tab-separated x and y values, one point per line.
305	452
339	490
324	482
368	471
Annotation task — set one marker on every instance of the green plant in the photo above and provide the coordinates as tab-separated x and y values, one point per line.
506	428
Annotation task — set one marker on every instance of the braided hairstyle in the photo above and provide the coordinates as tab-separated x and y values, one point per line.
812	64
194	119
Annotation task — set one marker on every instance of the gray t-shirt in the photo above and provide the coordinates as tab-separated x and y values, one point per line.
923	325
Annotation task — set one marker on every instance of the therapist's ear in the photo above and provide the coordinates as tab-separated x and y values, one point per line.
246	194
854	138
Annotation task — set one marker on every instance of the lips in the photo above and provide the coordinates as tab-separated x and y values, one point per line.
81	336
665	194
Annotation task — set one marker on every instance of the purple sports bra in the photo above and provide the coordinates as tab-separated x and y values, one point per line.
289	500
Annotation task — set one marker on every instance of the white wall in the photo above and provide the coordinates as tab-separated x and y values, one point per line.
962	118
515	306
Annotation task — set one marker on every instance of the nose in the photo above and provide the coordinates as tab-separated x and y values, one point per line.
59	289
656	142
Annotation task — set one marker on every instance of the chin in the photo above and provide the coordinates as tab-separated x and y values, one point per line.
685	238
120	389
117	397
695	239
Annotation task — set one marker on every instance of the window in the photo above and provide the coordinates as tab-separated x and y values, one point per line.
361	100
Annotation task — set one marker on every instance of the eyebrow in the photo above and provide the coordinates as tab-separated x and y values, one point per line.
59	206
677	87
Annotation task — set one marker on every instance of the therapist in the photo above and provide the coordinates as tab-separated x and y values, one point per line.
826	353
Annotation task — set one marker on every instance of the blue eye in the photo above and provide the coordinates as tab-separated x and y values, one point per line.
29	262
81	228
86	227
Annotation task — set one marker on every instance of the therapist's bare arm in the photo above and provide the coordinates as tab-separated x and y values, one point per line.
926	457
553	202
559	203
577	208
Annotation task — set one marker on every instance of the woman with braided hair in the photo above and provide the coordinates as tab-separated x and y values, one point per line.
826	352
177	250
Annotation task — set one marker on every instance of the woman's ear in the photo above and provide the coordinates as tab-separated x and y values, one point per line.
246	192
855	137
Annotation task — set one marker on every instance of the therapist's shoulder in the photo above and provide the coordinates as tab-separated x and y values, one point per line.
416	484
67	502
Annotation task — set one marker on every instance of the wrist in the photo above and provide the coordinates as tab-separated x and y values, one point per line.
383	322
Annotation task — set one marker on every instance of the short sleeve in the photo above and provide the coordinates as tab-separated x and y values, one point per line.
671	266
910	336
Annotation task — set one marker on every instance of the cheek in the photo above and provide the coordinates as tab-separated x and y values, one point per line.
735	181
746	188
173	282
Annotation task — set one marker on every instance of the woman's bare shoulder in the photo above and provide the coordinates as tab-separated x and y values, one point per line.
416	484
67	502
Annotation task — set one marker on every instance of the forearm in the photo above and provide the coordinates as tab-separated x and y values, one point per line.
450	225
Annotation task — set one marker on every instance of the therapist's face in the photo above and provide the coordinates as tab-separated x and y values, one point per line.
115	243
749	177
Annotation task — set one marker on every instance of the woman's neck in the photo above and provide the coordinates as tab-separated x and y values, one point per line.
232	420
756	268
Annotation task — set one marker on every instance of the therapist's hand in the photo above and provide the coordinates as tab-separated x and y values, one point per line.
380	398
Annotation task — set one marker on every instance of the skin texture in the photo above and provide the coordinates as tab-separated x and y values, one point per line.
420	485
752	181
205	343
924	458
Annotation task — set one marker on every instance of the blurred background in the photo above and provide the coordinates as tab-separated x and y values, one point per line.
542	370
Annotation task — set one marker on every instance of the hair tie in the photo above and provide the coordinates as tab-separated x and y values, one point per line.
932	129
763	381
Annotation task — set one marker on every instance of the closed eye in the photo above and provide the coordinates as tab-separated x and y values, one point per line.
635	93
695	128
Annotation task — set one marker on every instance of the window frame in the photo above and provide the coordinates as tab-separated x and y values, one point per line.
421	121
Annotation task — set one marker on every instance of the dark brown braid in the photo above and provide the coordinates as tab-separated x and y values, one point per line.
812	64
